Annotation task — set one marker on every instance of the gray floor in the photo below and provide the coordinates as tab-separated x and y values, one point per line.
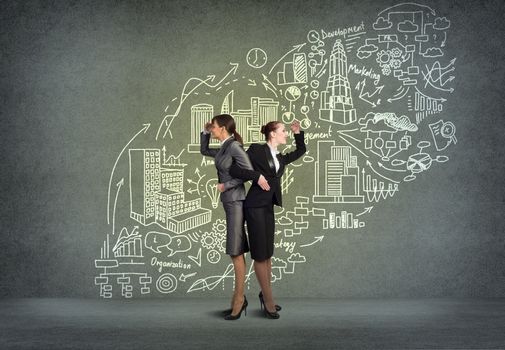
304	324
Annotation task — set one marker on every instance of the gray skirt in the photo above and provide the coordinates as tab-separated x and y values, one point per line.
236	239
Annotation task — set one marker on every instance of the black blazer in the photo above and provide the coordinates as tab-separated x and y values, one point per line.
263	164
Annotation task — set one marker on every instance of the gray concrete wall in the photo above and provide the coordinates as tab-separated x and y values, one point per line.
81	80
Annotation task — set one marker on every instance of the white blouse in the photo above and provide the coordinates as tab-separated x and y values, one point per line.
274	156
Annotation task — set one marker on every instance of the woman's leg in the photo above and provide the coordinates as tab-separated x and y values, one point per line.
269	264
263	274
238	294
236	244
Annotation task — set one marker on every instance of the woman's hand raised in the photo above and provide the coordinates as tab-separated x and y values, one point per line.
295	127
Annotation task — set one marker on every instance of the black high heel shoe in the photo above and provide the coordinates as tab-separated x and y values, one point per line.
230	310
227	311
272	315
262	302
231	317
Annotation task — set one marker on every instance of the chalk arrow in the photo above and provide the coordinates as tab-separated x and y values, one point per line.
143	130
267	87
184	94
367	210
398	170
445	39
232	71
295	48
399	96
198	258
265	78
183	277
370	165
318	239
119	185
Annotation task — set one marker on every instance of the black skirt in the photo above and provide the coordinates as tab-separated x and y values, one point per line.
260	229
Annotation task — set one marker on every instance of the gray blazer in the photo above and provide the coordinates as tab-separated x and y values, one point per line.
231	151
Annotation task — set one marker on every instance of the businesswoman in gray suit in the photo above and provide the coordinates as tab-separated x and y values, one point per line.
259	204
232	191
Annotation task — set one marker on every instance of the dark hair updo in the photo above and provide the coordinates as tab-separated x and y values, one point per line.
268	128
228	122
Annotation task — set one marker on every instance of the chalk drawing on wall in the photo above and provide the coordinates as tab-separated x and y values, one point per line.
336	175
336	101
371	98
256	58
157	196
443	134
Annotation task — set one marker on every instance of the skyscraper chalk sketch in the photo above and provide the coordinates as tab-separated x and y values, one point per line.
371	97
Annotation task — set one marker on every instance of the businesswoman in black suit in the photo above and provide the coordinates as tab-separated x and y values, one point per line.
232	191
259	204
